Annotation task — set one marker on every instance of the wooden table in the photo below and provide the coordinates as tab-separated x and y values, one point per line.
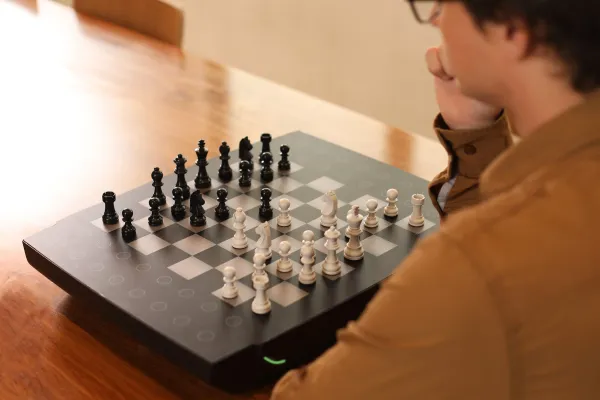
85	106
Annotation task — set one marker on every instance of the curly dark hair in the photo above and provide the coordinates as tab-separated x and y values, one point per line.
570	28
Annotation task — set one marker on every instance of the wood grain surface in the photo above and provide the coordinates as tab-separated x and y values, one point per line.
86	106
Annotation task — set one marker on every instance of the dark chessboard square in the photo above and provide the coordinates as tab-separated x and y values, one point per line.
215	256
254	214
217	234
399	236
173	233
305	213
212	191
317	233
165	257
305	194
249	256
273	280
255	193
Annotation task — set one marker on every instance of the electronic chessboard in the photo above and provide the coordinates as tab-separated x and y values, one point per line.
165	286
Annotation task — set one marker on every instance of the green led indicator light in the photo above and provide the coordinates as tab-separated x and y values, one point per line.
274	362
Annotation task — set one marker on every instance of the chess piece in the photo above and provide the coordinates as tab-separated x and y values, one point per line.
265	210
263	244
284	163
110	216
202	180
308	239
391	210
198	217
157	183
225	172
416	217
354	250
261	303
331	266
128	231
307	274
155	219
180	170
284	219
222	211
259	265
178	208
240	241
371	221
230	290
245	152
284	264
265	139
329	210
245	174
266	172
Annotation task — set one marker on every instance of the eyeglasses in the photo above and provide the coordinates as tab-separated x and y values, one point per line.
426	11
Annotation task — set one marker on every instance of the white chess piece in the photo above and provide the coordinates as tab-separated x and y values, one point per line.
329	210
240	241
354	250
391	210
284	264
308	238
284	219
263	244
261	303
259	265
371	221
230	289
307	274
416	218
331	265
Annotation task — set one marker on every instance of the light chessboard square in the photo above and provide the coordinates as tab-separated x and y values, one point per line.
106	228
187	225
245	293
234	184
376	245
285	294
238	252
194	244
250	222
242	267
320	244
361	202
295	224
169	203
403	223
318	203
272	269
190	268
143	223
325	184
149	244
285	184
243	201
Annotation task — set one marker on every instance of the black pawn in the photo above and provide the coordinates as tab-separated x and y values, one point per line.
225	172
110	216
198	217
128	231
157	177
266	172
245	175
265	211
284	163
178	208
155	219
222	211
180	170
202	180
245	151
265	139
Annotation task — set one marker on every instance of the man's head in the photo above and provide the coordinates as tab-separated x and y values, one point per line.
493	47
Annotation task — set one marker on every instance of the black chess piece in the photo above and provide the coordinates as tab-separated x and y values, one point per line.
266	172
157	177
265	211
284	163
245	152
202	180
265	139
245	175
110	216
222	211
180	170
178	208
128	232
155	219
198	217
225	172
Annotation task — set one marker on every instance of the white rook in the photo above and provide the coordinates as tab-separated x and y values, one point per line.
416	218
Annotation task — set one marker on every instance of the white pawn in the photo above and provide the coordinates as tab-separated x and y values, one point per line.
391	210
230	289
284	264
416	218
240	241
307	274
331	266
261	303
284	219
308	238
259	265
354	249
371	221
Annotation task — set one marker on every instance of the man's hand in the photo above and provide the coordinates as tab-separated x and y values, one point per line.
458	110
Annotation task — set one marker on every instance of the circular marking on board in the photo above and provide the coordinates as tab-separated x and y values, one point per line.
77	255
209	307
158	306
137	293
164	280
234	321
103	244
96	267
206	336
143	267
182	320
123	255
187	293
116	280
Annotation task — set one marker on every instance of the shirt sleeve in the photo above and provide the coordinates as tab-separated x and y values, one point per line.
431	332
469	154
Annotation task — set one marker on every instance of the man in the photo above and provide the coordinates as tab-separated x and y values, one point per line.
504	301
